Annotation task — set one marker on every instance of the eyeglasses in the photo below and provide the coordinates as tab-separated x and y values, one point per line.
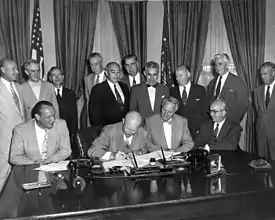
215	111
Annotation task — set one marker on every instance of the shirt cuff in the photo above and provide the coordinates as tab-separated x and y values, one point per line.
106	156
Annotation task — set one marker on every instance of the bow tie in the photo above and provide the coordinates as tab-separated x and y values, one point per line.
151	85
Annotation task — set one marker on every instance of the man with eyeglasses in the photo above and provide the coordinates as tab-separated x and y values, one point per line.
146	97
229	87
220	133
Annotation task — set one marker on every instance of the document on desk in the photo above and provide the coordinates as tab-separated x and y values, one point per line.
142	160
62	165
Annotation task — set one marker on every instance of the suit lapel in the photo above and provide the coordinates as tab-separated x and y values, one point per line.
272	100
223	130
175	131
157	98
261	97
28	87
33	138
146	98
162	134
225	85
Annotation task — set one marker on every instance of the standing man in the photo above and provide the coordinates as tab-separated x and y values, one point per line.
133	76
35	90
230	88
42	139
109	100
146	97
168	130
264	105
11	113
193	101
66	99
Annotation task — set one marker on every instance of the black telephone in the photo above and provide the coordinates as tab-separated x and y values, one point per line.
197	155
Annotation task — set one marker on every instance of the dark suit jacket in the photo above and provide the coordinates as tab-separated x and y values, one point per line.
140	102
181	139
125	79
265	121
228	138
195	109
103	106
234	93
68	109
111	139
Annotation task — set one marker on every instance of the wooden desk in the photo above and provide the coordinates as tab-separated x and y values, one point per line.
240	195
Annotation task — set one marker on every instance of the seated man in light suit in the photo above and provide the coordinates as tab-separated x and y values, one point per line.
43	139
119	139
169	130
220	133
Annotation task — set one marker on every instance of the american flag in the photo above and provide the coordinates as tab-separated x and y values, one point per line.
167	77
36	40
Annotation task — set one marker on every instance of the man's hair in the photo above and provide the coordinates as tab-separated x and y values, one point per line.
38	106
29	62
110	64
268	64
129	56
152	65
95	54
221	103
3	63
186	67
171	100
54	68
224	57
133	115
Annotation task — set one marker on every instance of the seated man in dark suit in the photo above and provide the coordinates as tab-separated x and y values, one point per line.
66	99
168	130
109	100
193	101
119	139
42	139
220	133
146	97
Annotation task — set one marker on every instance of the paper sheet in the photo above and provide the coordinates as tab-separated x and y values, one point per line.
62	165
142	160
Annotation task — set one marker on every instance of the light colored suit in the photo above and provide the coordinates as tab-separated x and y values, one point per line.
46	93
9	118
24	147
265	121
111	139
181	139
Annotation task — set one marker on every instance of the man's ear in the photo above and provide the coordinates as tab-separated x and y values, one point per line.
26	72
2	69
37	116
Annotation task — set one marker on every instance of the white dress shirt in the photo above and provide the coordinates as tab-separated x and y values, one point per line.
35	88
118	89
40	134
60	90
271	86
152	95
187	89
137	78
224	77
220	126
167	126
101	77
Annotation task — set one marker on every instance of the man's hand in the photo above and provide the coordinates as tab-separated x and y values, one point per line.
120	155
46	161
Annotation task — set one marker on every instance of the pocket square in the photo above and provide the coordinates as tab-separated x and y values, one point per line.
230	90
163	96
198	100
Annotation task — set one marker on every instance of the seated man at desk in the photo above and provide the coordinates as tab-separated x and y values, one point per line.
168	130
42	139
220	133
119	139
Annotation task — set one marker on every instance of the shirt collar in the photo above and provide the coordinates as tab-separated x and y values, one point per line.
34	84
6	82
111	84
224	76
220	123
271	86
187	86
60	90
37	128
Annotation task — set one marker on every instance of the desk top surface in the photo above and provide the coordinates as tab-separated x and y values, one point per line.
109	194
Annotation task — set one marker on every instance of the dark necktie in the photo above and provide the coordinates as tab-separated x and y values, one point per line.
118	97
134	81
15	97
58	96
184	96
217	93
215	131
97	79
267	96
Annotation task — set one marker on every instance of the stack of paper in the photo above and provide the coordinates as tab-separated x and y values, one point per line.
62	165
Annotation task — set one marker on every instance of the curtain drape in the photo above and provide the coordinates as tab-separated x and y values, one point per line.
15	31
245	24
130	26
188	23
74	25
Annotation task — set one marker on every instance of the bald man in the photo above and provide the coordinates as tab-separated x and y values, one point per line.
109	100
229	87
11	112
193	101
219	132
119	139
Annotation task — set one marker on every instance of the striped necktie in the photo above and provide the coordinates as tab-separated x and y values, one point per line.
44	152
15	97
